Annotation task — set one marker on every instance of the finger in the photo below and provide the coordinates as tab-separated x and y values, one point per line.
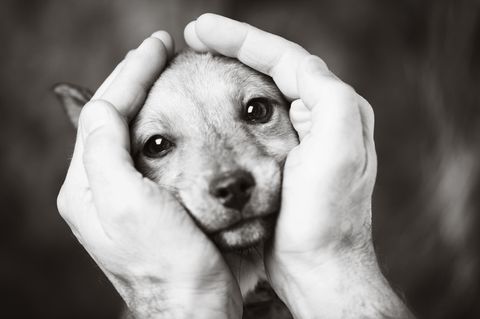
167	41
76	187
98	175
141	68
301	118
106	84
77	208
85	224
76	181
337	125
163	36
91	233
368	117
108	165
192	39
142	76
368	123
263	51
122	196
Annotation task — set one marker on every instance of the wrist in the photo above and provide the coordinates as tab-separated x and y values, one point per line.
156	298
335	285
211	301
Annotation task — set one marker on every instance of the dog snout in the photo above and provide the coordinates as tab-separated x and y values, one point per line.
233	189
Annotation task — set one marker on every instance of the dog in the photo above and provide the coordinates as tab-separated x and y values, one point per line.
215	133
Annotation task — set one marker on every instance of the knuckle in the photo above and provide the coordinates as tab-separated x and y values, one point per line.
62	202
343	90
370	113
92	111
296	49
129	54
345	99
371	118
87	109
342	95
312	63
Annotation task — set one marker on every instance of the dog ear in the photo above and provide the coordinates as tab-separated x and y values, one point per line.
72	98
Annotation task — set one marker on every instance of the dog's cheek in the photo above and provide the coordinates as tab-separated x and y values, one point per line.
165	173
280	147
268	176
148	168
208	214
279	140
284	139
194	193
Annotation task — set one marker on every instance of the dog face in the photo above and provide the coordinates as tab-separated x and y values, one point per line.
216	134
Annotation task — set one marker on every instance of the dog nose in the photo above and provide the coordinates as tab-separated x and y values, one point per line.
233	189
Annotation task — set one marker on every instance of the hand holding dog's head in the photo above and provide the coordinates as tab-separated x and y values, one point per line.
216	134
125	221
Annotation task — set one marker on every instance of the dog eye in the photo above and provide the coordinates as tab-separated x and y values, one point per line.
258	110
157	146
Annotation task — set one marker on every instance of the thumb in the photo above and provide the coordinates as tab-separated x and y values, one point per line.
102	115
336	125
119	191
106	156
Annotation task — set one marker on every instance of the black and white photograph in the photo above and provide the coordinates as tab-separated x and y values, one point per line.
222	159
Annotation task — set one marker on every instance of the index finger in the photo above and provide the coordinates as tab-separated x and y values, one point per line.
125	90
128	89
263	51
161	35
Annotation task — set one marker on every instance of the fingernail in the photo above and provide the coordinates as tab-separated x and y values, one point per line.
161	35
166	40
191	37
142	45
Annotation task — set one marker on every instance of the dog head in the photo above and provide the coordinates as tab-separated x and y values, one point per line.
215	133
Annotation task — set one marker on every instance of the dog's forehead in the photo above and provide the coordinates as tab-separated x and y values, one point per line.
194	82
201	85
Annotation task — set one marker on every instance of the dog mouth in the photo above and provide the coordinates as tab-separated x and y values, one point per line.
246	233
242	235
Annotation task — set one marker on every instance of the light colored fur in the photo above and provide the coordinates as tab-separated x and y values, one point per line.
197	103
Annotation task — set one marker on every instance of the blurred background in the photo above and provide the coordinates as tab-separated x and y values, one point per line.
417	62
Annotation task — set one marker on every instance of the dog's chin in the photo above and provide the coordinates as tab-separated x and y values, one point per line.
245	234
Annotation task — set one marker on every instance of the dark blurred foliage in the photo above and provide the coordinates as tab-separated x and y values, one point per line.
417	62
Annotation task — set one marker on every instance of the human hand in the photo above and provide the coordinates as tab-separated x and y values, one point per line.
321	260
139	235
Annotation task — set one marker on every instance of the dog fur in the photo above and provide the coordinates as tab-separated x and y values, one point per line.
197	104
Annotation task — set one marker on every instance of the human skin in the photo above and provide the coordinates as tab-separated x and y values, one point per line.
321	260
126	222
